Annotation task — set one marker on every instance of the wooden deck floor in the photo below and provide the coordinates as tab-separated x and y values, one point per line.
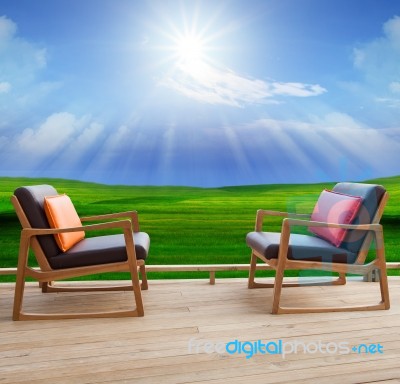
184	320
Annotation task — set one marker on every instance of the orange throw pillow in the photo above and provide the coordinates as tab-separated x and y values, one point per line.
61	213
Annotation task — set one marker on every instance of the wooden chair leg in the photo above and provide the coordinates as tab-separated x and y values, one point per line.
143	275
341	279
136	287
46	286
384	286
252	271
20	280
277	290
280	270
138	295
383	282
19	294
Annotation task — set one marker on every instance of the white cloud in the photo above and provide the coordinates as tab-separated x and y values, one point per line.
86	138
379	61
5	87
379	58
7	28
297	89
40	56
389	102
394	87
392	31
378	54
21	65
334	145
209	84
58	141
19	56
50	136
358	57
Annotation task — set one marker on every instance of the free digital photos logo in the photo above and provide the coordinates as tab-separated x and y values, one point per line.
280	347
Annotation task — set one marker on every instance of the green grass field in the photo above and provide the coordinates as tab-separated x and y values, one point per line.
189	225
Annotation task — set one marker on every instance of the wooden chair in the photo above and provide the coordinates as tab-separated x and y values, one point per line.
126	251
288	251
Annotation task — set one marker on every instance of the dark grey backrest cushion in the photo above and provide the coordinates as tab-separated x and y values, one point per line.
371	195
32	202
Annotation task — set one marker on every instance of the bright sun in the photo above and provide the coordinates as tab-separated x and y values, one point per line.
190	48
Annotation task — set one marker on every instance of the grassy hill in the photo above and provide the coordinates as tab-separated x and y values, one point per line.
190	225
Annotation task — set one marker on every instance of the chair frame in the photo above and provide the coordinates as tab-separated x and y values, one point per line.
46	276
359	267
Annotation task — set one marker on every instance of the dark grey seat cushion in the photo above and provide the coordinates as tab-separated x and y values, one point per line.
89	251
100	250
301	247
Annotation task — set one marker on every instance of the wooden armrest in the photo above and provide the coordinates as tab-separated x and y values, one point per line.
360	227
122	224
132	215
261	213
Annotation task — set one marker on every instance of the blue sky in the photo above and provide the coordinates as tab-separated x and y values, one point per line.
201	93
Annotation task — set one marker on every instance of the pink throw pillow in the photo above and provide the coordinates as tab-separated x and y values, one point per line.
337	208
